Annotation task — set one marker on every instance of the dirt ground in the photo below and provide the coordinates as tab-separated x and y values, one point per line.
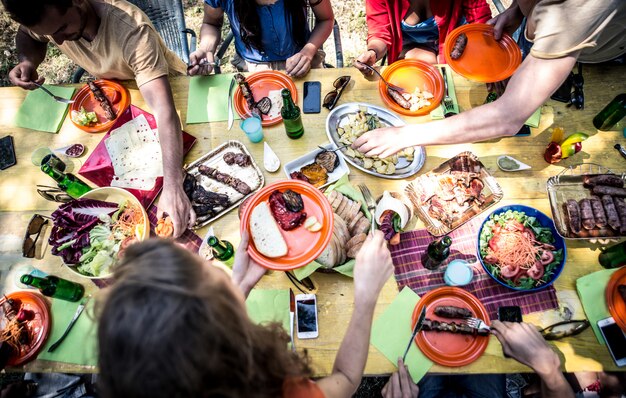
57	68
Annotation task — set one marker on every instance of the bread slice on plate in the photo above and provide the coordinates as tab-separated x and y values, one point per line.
265	232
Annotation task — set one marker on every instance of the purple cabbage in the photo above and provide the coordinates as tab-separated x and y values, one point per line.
386	224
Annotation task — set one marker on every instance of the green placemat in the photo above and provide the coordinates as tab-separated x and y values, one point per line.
41	112
391	332
208	98
80	346
269	306
591	292
438	112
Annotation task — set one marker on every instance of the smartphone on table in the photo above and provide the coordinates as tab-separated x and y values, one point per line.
312	101
7	152
511	313
615	339
306	316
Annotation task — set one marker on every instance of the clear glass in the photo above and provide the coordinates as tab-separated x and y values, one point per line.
253	128
40	153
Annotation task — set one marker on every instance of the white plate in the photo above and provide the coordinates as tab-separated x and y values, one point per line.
297	164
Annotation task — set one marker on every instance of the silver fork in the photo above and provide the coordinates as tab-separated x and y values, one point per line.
447	100
56	97
371	204
389	85
476	323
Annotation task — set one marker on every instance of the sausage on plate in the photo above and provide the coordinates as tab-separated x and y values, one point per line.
450	311
598	212
398	98
611	212
586	214
459	46
573	215
608	190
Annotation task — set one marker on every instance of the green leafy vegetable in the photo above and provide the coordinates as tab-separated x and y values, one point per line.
84	118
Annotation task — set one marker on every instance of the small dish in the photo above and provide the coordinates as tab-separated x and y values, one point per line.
508	163
271	162
297	164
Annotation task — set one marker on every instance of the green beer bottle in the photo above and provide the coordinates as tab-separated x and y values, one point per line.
614	256
437	252
611	114
223	250
53	166
56	287
291	116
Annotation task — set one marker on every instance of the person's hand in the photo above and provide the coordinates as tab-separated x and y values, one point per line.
246	272
298	64
369	58
24	74
201	62
400	384
522	342
373	267
175	203
381	142
508	21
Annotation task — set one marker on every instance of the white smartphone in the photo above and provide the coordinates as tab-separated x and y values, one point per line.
306	316
615	340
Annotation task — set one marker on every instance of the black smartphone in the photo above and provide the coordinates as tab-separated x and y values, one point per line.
511	313
523	132
7	152
312	97
564	93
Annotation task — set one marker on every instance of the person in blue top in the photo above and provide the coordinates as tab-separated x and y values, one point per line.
269	34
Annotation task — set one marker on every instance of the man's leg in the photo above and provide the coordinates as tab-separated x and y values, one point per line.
482	386
436	387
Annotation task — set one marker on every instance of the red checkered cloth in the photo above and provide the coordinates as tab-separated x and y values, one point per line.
409	271
189	240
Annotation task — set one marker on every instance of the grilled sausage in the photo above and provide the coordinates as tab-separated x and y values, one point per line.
609	190
620	206
598	212
398	98
603	179
586	214
450	311
611	212
459	46
573	215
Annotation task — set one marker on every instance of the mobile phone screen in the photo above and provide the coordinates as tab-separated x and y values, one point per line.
7	152
615	340
510	314
307	321
312	97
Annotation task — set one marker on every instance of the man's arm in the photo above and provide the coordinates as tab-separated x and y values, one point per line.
174	201
530	86
210	36
30	53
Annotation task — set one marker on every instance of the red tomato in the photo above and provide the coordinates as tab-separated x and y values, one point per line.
494	242
536	271
529	233
509	271
546	257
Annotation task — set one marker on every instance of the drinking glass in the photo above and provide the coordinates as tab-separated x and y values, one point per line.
253	128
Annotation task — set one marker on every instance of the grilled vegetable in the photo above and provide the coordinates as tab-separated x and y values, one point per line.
264	105
328	160
316	174
293	201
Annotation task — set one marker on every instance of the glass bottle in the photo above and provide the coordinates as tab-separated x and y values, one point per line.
53	286
53	166
437	252
223	250
614	256
292	119
611	114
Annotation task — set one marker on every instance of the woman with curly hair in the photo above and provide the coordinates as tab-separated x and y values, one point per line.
269	34
174	326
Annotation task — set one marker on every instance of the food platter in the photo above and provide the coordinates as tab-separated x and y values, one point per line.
410	74
303	245
491	194
569	185
251	175
485	59
115	92
261	83
298	163
616	304
339	118
39	325
450	349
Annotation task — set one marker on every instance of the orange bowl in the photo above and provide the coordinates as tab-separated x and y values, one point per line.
117	95
616	304
261	83
410	74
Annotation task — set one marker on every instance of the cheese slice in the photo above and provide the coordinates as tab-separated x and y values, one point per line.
265	232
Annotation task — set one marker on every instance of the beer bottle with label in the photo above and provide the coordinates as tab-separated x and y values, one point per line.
54	167
292	119
222	250
53	286
437	252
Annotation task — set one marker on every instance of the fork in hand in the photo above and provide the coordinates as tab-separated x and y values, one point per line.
56	97
371	204
447	100
389	85
476	323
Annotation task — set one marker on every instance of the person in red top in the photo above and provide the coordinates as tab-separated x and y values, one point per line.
415	29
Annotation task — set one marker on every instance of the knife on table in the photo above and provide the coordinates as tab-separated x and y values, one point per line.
416	329
231	115
79	311
292	311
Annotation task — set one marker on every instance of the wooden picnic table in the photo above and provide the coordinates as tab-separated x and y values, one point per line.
19	200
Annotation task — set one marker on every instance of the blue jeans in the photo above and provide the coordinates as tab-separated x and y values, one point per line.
463	386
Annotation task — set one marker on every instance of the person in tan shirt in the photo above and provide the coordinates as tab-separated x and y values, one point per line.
111	39
562	32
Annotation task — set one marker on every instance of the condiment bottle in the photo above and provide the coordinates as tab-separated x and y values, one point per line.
614	256
611	114
53	286
223	250
292	119
437	252
53	166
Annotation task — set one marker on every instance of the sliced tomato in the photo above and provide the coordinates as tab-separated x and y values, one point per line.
529	233
514	225
509	271
546	257
536	271
494	242
519	276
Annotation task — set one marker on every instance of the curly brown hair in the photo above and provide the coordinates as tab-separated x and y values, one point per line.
169	329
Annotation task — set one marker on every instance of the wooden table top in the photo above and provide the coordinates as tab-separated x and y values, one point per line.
19	201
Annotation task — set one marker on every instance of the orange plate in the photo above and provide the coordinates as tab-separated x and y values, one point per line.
409	74
445	348
39	326
485	59
84	98
617	306
304	246
261	83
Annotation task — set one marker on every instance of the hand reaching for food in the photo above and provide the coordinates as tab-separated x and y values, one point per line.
373	267
24	74
383	142
175	203
246	272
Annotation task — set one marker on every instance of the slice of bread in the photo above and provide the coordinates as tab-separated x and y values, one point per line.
265	232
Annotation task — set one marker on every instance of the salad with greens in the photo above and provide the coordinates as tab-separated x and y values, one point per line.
84	118
518	250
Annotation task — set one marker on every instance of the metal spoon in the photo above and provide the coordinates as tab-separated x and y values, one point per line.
333	150
389	85
56	97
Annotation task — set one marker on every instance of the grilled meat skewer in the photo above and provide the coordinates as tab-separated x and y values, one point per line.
224	178
104	101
